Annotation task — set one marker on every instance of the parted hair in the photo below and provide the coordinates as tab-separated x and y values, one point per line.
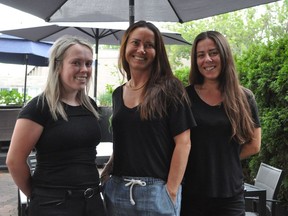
234	95
163	89
52	91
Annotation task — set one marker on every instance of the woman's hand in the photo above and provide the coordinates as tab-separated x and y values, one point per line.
105	174
172	194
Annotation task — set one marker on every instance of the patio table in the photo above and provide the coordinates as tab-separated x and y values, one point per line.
253	191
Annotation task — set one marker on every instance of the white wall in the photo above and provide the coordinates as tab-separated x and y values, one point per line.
13	76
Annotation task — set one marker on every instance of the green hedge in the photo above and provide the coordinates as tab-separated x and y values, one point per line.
264	70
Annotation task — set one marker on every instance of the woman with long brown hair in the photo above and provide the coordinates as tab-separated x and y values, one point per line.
228	130
151	130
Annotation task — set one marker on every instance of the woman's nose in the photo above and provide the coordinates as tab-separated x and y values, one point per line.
208	57
83	68
141	49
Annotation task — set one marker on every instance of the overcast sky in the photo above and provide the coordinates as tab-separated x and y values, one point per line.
12	18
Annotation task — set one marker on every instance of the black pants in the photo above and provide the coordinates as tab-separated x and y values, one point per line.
232	206
59	202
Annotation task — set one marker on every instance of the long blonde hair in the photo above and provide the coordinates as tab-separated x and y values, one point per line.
52	91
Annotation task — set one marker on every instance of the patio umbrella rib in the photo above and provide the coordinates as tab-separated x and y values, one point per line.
181	41
176	13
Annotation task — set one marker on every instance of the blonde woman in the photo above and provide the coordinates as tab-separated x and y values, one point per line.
62	125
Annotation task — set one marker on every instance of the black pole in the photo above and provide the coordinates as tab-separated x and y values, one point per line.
96	62
131	12
25	80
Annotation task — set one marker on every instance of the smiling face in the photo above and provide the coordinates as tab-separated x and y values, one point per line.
77	68
140	50
208	59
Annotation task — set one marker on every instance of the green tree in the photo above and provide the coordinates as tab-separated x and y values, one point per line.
264	69
183	75
243	28
105	99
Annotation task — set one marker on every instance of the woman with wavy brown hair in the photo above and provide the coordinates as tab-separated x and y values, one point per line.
151	130
228	130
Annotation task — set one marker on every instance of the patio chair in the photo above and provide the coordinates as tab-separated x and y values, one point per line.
22	199
269	178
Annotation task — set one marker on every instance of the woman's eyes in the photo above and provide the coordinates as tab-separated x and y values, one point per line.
79	63
149	45
200	55
76	63
135	43
146	45
89	64
211	53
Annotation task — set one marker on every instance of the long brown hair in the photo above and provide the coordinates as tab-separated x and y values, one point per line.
163	88
234	95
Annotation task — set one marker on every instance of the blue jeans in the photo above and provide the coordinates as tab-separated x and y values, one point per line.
141	196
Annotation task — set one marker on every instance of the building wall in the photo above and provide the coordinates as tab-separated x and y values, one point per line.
13	76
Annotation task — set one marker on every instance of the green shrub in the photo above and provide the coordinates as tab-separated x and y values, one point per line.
105	99
183	75
264	70
12	97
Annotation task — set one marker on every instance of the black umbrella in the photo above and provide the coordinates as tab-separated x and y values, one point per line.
91	31
129	10
15	50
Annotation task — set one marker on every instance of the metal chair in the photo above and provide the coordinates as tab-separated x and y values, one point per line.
269	178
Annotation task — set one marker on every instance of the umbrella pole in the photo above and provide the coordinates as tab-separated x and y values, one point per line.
131	12
25	80
96	62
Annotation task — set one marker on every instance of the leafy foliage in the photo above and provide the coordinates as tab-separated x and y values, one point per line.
12	97
264	69
243	29
183	75
105	99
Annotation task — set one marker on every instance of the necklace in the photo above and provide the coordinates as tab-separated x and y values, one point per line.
135	88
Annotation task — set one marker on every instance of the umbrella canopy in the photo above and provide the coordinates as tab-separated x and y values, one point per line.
129	10
15	50
95	33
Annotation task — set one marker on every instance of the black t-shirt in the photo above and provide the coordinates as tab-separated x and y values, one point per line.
66	150
143	148
214	167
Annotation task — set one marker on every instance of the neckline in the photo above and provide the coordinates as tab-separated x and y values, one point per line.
66	104
204	102
122	99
